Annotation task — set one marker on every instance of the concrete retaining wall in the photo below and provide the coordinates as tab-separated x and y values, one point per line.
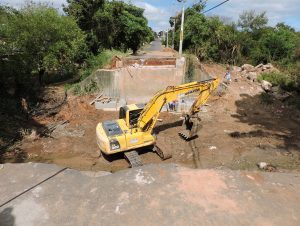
136	83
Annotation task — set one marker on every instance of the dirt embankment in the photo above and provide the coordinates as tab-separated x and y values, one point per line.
238	131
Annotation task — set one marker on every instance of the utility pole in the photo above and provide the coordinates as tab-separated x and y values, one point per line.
181	28
167	45
173	37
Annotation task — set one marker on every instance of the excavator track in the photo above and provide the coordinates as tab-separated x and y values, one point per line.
163	154
162	148
133	159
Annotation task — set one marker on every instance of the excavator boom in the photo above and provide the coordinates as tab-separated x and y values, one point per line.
149	115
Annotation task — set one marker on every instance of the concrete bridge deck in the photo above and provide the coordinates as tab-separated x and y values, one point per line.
150	195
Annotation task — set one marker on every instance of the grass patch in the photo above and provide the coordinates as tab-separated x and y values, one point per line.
93	63
288	80
276	78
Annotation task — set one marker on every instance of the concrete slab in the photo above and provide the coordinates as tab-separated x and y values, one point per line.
15	178
155	195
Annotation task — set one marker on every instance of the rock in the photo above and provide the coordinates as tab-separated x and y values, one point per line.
247	67
262	165
252	76
244	73
266	166
268	66
267	86
259	66
236	69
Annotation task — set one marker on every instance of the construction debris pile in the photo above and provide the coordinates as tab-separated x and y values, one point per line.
252	72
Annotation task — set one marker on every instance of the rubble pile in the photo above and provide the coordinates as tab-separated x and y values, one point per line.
251	72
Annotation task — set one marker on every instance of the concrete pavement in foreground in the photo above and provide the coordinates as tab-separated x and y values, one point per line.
150	195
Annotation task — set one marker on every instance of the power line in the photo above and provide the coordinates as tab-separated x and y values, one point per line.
215	6
34	186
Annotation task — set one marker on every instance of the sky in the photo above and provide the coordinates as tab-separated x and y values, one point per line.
158	12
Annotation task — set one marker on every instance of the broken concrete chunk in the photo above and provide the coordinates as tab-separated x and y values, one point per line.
252	76
247	67
262	165
259	66
236	69
268	66
267	86
266	166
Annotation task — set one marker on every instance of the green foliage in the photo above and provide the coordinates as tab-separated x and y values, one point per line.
274	44
276	78
210	39
284	80
250	21
44	41
94	62
110	24
248	41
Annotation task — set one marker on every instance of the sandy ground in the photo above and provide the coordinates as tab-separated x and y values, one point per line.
239	130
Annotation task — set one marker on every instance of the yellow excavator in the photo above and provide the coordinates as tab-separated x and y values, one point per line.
134	128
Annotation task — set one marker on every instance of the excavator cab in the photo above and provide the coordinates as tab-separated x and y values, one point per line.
131	113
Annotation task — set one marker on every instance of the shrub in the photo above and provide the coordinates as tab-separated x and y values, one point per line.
95	62
276	78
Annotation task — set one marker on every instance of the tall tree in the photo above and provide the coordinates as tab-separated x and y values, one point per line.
251	21
110	24
44	40
86	13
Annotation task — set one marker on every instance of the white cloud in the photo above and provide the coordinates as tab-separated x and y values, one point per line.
19	3
157	16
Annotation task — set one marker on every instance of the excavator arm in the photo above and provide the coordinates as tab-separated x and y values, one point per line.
150	114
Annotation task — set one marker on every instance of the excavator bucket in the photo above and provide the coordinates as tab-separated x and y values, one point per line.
191	127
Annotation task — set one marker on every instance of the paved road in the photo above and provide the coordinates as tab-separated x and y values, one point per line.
149	195
155	46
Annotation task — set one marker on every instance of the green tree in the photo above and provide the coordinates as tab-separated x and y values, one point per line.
45	41
250	21
134	30
110	24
